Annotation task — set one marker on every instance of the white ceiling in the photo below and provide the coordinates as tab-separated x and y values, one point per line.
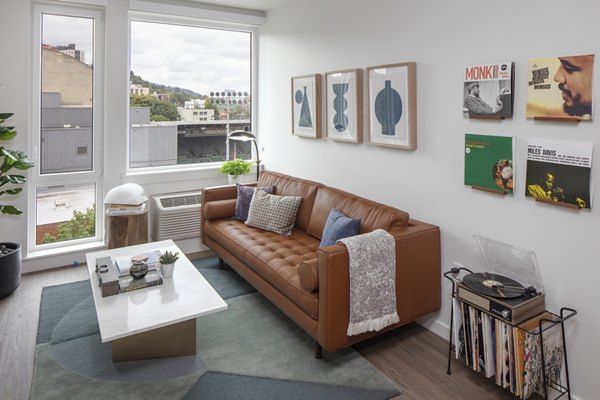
260	5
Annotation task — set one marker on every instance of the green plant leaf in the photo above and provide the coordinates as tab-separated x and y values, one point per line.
11	191
12	210
11	159
5	116
7	135
8	154
14	179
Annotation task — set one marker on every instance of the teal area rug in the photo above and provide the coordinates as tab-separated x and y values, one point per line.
250	351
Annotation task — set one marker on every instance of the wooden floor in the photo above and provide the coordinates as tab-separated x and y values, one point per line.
413	357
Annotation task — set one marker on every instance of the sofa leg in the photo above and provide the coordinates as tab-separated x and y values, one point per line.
318	351
221	264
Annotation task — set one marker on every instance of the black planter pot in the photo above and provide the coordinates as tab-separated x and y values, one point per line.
10	270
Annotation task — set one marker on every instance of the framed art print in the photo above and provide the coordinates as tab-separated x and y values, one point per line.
343	105
392	114
306	106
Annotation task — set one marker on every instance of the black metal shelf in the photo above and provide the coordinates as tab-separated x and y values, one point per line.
544	325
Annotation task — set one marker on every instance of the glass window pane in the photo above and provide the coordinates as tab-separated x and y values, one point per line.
66	98
189	87
65	212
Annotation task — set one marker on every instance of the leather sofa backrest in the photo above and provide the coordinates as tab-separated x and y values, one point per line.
372	215
290	186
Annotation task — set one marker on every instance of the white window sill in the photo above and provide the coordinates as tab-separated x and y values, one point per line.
60	251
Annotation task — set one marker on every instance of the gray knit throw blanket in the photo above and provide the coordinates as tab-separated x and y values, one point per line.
372	281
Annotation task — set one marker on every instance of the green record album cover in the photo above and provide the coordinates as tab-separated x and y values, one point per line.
489	162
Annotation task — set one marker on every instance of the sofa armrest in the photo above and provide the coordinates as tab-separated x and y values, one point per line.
211	194
418	283
219	209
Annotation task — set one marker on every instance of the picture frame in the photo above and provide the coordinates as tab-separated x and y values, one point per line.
392	102
344	105
306	106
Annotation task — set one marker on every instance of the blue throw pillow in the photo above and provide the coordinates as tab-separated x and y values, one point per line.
338	226
244	197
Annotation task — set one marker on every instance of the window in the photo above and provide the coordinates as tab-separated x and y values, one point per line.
181	69
68	118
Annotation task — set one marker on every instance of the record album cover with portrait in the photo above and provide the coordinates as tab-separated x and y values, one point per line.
560	87
488	90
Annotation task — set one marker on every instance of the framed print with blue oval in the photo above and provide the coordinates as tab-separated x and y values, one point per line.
392	114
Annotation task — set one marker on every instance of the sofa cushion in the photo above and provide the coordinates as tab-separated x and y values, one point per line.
273	213
338	226
289	186
277	259
372	215
244	197
273	257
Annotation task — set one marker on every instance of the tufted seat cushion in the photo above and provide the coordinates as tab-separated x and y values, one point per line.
274	257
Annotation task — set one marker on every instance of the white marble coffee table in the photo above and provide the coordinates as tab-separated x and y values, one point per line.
158	321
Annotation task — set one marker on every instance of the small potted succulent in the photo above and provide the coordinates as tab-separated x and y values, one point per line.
167	263
235	169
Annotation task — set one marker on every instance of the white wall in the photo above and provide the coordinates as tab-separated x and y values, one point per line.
315	36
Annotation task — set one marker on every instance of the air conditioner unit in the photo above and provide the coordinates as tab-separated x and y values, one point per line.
176	216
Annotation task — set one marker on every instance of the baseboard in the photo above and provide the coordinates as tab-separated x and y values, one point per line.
438	327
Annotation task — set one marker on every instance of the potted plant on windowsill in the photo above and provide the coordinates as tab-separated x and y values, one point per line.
235	169
10	253
167	263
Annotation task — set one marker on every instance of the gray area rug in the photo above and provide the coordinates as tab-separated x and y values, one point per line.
250	351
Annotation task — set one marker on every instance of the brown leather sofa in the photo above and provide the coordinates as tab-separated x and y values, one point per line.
311	284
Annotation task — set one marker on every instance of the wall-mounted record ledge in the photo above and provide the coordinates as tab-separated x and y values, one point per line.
484	189
473	116
564	119
560	204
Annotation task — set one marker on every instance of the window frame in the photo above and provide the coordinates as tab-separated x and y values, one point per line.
197	22
95	176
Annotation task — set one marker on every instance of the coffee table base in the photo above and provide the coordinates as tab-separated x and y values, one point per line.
169	341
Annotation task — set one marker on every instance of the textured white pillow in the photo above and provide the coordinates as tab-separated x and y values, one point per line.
273	213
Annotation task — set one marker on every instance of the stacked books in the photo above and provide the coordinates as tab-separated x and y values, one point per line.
125	209
123	264
127	282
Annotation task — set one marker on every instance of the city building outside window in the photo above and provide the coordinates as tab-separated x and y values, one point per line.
192	87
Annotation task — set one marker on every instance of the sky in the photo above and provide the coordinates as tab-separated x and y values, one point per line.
62	31
200	59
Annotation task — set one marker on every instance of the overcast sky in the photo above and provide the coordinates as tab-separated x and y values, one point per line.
62	31
202	60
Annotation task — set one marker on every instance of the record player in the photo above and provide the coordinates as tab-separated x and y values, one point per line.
512	291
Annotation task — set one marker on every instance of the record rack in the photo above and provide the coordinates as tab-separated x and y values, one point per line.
526	356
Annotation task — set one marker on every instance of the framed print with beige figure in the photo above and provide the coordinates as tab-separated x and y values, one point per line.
392	114
343	105
306	106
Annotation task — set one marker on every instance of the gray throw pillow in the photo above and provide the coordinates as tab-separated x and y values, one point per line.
273	213
244	196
